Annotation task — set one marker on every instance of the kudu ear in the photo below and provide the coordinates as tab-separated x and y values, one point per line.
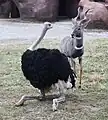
74	22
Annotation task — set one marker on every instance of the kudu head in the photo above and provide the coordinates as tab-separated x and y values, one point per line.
79	23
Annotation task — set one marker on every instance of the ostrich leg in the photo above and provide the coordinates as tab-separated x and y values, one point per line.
26	97
56	101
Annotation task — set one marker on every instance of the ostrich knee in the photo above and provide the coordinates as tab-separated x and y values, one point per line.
62	96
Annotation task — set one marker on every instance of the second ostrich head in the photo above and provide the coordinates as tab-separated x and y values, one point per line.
47	26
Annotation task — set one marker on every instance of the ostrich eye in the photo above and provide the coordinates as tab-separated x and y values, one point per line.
49	24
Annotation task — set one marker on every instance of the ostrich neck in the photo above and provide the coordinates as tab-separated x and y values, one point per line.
34	45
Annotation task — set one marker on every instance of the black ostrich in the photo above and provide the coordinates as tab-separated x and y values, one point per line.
46	67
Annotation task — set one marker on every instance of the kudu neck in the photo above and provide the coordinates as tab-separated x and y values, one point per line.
34	45
78	41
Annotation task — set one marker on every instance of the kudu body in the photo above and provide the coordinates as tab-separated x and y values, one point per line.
72	46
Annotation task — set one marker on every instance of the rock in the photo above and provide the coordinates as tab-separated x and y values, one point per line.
5	8
106	1
98	14
8	9
41	10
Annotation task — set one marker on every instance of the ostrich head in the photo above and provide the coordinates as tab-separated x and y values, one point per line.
47	25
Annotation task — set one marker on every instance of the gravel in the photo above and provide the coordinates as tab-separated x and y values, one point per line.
20	30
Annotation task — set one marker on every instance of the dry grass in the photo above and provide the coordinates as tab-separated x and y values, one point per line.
88	103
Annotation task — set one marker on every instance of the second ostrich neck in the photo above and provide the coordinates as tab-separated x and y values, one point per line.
34	45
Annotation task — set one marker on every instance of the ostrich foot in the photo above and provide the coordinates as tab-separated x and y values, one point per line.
20	102
56	101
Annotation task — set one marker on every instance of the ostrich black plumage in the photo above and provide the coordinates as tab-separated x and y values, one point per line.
46	67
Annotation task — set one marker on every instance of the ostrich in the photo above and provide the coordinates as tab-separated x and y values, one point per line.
44	68
72	46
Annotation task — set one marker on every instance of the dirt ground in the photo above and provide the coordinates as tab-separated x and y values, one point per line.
26	31
88	103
